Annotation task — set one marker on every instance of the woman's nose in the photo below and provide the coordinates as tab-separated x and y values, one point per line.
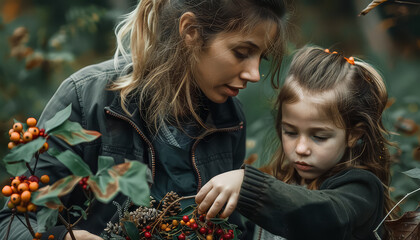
302	146
251	71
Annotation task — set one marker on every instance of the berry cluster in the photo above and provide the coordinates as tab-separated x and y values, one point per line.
20	191
207	229
83	183
20	135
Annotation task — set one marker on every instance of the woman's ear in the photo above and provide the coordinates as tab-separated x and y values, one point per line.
187	28
355	134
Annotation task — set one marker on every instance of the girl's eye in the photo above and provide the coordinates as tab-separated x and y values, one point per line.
321	138
289	133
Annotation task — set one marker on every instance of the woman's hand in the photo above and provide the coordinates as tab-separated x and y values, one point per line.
83	235
220	190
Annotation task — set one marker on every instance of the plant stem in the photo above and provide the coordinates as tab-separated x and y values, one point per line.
28	223
10	225
68	226
36	161
29	168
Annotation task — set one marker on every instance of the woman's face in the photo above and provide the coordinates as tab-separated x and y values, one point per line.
311	141
231	60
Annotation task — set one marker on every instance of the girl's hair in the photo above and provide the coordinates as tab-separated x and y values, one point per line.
358	99
161	66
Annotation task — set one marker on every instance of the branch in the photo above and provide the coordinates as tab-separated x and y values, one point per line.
28	223
9	226
68	226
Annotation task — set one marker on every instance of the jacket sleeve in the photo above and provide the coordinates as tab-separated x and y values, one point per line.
348	200
65	95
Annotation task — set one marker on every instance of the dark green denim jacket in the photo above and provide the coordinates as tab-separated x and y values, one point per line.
126	137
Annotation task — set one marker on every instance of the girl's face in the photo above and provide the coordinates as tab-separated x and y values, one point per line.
231	60
311	141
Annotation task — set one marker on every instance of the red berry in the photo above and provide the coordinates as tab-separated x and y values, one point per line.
210	231
185	218
181	236
202	218
203	230
194	226
219	232
210	224
147	235
33	178
148	228
227	236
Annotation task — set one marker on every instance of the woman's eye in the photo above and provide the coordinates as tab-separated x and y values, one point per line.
240	55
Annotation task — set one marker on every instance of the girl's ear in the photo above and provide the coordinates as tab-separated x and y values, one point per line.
187	28
355	134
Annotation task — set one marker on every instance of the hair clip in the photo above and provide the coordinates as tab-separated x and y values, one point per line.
350	60
328	51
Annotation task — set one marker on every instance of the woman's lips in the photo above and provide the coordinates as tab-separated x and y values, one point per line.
232	91
303	166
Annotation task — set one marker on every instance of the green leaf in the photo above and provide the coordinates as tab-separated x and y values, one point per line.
132	181
104	187
187	210
16	169
49	195
219	220
104	163
131	230
73	162
73	133
58	119
24	152
414	173
82	211
46	218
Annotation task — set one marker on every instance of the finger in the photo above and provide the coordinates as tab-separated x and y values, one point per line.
203	192
208	201
230	206
217	206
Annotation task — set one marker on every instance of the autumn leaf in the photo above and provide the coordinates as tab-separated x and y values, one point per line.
406	227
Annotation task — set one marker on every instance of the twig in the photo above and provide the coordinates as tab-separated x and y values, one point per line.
68	226
31	230
29	168
86	211
9	226
21	221
390	211
36	161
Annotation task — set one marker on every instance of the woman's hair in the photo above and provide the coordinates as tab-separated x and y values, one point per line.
161	66
358	100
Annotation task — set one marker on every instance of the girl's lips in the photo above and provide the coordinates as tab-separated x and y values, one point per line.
231	91
303	166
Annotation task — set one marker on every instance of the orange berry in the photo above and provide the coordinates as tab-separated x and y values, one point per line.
51	237
15	198
45	179
33	186
15	137
175	222
11	145
25	196
23	187
17	127
188	224
31	122
10	204
21	209
167	229
7	191
209	237
31	207
38	235
34	131
192	220
44	148
27	137
163	226
15	182
10	131
182	222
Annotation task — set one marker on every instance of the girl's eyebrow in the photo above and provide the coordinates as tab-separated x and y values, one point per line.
316	129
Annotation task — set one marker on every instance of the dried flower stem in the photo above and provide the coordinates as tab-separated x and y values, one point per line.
28	223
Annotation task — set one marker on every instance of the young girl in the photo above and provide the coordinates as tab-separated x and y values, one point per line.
332	167
167	99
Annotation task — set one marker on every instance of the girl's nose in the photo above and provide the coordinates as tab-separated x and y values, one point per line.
302	146
251	71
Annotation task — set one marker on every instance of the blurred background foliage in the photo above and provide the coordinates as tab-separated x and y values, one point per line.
44	41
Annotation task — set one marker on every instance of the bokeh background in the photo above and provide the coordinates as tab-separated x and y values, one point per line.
43	41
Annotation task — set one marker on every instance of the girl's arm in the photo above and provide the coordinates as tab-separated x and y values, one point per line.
351	199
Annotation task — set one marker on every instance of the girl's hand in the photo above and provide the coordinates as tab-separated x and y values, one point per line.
220	190
82	234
